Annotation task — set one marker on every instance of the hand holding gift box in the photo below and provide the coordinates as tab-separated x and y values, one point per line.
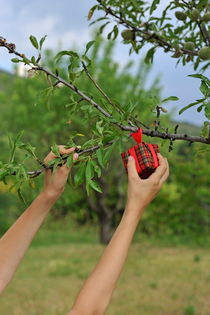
145	155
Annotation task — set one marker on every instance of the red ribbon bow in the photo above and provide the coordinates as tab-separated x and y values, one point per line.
137	135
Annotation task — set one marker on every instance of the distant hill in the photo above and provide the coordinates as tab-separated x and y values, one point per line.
188	128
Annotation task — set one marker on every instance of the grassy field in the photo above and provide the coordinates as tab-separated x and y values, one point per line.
155	281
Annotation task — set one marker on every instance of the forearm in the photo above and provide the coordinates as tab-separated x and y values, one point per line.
97	290
17	239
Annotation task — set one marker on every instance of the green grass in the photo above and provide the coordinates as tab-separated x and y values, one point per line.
156	280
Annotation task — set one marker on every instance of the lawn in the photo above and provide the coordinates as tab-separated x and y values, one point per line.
155	281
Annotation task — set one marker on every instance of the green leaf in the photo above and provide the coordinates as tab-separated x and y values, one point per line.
94	185
33	60
89	171
29	149
42	41
55	150
149	56
170	98
99	128
207	111
34	41
25	60
199	109
102	27
99	154
55	163
72	76
190	105
200	76
89	45
109	152
206	129
45	95
129	107
116	32
97	170
154	6
91	12
205	90
85	58
15	60
20	195
3	174
22	172
69	161
79	177
13	145
120	146
66	53
87	186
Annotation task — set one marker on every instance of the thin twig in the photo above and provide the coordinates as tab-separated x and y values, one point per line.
109	100
205	34
118	109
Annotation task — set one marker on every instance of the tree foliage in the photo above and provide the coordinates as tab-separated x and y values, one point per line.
181	29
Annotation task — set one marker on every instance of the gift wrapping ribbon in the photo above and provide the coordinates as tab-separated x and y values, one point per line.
137	135
138	138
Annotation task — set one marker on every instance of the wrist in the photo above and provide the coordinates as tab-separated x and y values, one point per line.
134	210
50	196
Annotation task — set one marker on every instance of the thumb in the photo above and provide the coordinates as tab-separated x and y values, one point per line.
131	166
75	156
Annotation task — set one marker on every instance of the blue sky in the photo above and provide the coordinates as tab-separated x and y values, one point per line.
66	24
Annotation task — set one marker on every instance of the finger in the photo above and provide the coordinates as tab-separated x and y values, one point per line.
160	170
75	156
165	176
131	166
49	157
64	168
63	150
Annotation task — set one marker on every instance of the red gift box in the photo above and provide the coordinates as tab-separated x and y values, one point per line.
145	155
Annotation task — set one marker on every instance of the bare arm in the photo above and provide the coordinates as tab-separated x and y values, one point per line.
17	239
97	291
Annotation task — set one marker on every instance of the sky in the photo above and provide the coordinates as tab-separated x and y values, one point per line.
65	24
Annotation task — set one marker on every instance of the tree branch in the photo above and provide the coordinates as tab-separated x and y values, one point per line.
151	133
118	109
151	35
204	33
91	150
